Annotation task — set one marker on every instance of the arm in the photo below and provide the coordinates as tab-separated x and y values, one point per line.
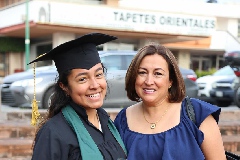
50	145
212	145
46	145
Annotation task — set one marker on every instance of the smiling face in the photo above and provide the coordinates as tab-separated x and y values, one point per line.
87	87
152	80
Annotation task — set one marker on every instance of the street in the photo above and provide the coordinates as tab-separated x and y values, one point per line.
230	108
5	108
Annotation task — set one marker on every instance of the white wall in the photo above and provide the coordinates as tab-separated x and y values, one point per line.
225	41
233	27
15	59
16	14
59	38
186	7
222	23
184	59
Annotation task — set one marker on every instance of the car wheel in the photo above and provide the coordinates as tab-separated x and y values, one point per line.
223	103
236	97
47	98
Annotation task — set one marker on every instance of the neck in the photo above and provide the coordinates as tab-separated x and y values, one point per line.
157	109
92	116
159	104
153	116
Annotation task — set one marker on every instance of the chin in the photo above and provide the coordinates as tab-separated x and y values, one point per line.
98	105
148	100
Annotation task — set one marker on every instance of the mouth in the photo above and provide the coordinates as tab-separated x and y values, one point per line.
96	95
149	90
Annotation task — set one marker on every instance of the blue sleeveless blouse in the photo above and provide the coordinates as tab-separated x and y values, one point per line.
181	142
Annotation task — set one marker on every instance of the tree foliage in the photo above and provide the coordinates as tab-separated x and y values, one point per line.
10	44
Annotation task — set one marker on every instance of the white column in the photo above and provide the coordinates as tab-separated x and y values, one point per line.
184	59
59	38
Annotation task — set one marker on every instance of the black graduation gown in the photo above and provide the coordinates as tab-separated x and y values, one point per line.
56	140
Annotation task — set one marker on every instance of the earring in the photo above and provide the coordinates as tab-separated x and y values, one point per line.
67	95
169	89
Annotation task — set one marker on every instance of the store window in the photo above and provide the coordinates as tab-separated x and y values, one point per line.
41	49
206	63
3	64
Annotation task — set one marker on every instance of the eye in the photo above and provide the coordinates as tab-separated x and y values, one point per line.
82	79
158	74
142	72
99	75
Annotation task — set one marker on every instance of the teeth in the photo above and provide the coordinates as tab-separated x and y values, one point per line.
94	95
149	90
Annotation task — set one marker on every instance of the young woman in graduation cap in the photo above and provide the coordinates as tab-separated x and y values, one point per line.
76	126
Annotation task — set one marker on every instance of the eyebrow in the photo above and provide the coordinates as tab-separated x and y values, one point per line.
84	73
154	69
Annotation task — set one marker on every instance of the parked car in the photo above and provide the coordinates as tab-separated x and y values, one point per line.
233	59
222	92
217	88
190	78
17	89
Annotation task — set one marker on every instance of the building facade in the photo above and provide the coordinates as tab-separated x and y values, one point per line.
197	33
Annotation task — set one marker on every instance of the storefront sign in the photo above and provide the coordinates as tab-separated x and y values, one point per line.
130	20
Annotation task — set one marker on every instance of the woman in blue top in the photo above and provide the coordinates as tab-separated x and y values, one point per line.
157	127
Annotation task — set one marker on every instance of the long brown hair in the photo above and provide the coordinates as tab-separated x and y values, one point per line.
177	90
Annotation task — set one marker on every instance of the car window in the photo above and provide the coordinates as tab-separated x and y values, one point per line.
227	70
117	62
112	62
128	60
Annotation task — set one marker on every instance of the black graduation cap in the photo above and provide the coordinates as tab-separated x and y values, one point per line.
78	53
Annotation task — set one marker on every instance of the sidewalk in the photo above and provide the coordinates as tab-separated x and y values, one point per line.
17	133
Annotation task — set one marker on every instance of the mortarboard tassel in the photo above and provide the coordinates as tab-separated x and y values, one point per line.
35	112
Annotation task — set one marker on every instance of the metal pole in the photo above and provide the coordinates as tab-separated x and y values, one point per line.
27	40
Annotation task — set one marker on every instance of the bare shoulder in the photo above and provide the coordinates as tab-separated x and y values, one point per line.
133	109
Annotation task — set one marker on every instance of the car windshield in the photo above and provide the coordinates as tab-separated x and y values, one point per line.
117	62
227	70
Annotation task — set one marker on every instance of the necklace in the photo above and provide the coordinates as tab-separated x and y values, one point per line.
154	124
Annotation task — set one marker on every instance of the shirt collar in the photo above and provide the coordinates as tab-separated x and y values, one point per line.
82	112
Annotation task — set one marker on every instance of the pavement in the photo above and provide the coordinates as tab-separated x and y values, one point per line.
5	108
230	113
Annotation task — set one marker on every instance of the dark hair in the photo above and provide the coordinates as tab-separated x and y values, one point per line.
177	90
59	99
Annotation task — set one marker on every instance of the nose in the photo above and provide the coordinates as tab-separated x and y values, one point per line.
149	79
94	83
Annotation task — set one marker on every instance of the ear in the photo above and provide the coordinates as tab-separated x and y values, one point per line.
64	88
170	85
